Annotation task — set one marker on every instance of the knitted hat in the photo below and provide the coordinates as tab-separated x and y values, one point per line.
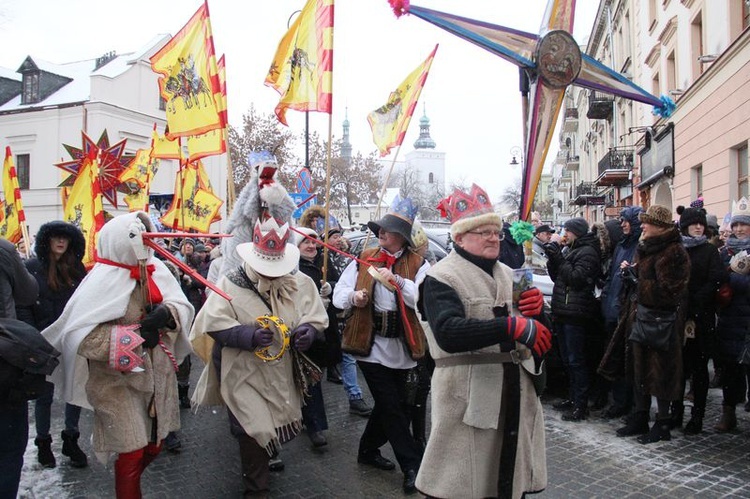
713	222
200	248
468	211
690	216
298	238
657	215
578	226
740	212
399	219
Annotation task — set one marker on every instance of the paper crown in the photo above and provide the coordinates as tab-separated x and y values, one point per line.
269	239
740	212
467	211
260	158
403	208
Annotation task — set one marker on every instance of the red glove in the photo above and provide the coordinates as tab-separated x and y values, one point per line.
531	333
531	302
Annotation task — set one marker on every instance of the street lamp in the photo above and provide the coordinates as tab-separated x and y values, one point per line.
515	152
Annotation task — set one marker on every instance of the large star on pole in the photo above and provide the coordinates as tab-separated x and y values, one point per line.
111	163
552	60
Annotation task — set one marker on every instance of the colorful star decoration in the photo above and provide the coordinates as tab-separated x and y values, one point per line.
552	60
110	158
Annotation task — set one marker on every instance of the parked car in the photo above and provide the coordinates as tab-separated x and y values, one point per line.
437	238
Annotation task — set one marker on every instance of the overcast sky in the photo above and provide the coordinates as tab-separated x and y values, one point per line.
471	96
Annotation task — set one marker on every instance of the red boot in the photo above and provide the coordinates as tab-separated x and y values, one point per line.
128	469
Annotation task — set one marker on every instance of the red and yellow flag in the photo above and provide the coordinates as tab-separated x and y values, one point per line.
390	121
302	69
194	205
14	217
84	207
138	176
164	148
189	78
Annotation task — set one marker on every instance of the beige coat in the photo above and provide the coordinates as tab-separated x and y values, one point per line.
121	400
261	395
462	457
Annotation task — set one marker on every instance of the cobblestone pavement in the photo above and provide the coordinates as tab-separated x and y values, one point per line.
584	460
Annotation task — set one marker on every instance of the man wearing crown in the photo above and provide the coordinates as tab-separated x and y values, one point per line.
487	436
384	335
263	393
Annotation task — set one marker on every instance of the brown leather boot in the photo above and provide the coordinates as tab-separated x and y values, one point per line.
728	420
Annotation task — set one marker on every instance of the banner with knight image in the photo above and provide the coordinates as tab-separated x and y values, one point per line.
194	205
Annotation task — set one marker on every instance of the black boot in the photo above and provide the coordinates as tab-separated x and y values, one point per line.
418	426
44	451
695	425
676	413
182	391
637	425
576	415
70	448
659	432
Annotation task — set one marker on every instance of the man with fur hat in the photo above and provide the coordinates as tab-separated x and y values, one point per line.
264	399
575	274
487	436
115	321
384	335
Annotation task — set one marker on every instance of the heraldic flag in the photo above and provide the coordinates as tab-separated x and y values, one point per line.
13	215
390	121
194	205
302	69
189	78
212	142
137	177
84	207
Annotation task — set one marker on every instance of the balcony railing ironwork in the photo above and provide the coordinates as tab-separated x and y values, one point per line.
600	106
618	158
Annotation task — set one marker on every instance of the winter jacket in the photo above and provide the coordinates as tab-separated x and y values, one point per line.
611	293
325	353
575	275
663	269
734	319
17	286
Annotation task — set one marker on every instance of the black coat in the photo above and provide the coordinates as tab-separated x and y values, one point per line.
575	275
325	353
706	272
734	319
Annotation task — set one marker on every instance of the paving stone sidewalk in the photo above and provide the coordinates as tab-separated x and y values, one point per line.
584	460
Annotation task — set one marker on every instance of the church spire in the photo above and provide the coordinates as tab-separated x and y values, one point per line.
346	146
424	141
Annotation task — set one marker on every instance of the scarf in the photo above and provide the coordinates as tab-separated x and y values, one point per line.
154	295
736	245
692	242
386	258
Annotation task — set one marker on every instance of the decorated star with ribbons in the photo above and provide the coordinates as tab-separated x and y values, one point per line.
110	158
552	60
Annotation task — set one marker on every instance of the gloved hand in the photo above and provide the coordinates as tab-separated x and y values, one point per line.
531	333
552	250
150	337
531	302
325	290
303	337
262	337
157	317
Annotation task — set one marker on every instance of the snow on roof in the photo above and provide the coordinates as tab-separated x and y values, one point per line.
9	74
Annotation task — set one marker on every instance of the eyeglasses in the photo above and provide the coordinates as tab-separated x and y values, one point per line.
488	234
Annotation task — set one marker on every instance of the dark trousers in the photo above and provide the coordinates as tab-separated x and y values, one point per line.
733	383
14	432
572	349
314	411
695	366
43	413
388	421
622	390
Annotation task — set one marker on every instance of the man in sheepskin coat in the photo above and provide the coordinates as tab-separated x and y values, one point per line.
487	436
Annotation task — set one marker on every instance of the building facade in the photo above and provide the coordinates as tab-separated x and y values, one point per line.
45	105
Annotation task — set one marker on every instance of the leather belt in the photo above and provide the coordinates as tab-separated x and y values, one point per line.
386	324
514	357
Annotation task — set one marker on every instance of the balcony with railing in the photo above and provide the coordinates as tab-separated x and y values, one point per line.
572	162
616	166
586	193
600	106
571	120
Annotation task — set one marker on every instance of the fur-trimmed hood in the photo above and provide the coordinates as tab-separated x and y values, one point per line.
77	242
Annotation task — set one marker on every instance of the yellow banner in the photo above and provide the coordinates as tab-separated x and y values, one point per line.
84	208
12	210
194	206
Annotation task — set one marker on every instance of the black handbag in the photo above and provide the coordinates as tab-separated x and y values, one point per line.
652	327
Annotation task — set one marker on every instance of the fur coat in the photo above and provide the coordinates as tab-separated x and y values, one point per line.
663	270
